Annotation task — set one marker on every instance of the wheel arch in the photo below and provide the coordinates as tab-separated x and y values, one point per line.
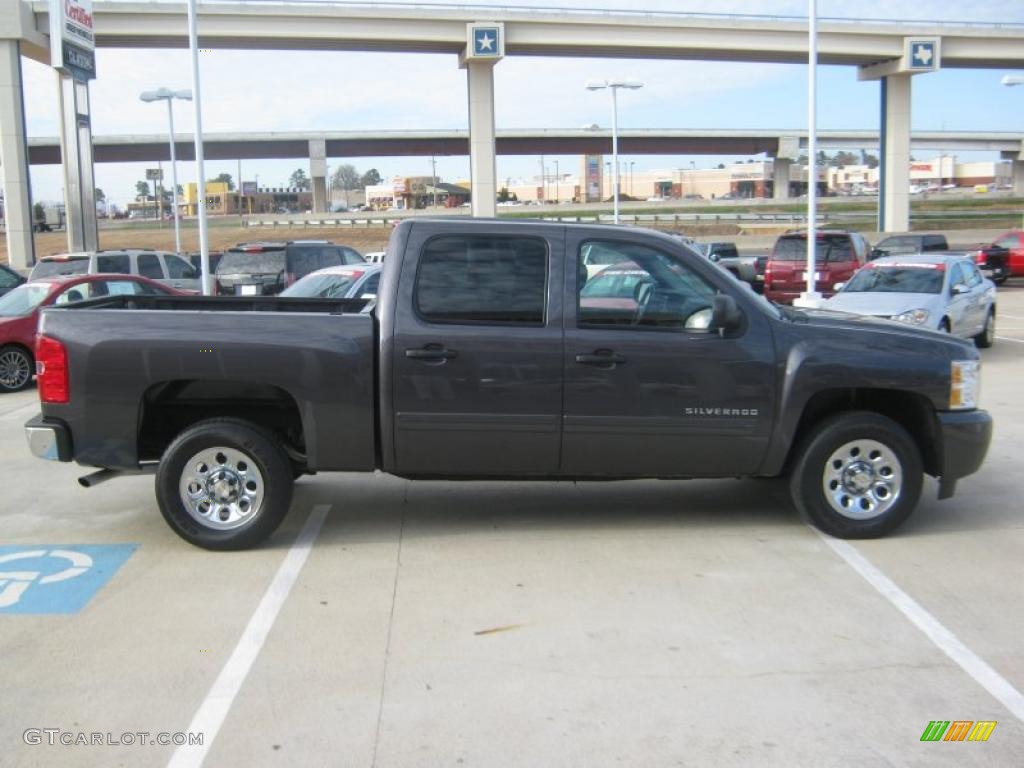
912	411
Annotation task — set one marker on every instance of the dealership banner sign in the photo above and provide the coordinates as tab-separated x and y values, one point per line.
72	39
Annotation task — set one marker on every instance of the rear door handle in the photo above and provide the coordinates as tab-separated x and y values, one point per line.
602	358
431	352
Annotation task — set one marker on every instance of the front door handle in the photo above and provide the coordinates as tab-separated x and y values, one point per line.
604	358
434	352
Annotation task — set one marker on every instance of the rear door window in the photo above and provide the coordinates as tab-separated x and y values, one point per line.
351	256
268	262
303	259
179	269
116	263
481	279
149	266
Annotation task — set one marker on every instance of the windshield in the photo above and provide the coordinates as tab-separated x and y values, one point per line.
23	299
251	262
828	248
53	267
324	286
897	279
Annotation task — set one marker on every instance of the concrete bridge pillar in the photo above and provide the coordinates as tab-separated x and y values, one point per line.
894	176
483	169
14	159
318	174
780	177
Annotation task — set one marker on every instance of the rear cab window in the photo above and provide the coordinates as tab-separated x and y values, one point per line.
252	261
77	265
482	279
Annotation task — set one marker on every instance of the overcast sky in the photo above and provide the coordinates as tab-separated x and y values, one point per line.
324	91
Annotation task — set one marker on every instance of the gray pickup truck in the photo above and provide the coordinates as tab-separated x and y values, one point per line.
492	352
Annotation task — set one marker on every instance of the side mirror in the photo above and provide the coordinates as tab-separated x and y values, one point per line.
960	289
725	314
875	254
838	287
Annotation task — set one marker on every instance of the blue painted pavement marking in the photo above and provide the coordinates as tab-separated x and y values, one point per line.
56	578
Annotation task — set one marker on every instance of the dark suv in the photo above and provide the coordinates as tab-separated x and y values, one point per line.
838	254
265	269
916	243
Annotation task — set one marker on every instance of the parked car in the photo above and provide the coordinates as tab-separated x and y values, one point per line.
163	266
914	243
1013	242
838	254
359	281
944	292
19	314
476	361
266	269
745	268
375	257
9	279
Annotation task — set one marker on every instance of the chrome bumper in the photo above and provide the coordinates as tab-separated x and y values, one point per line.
48	440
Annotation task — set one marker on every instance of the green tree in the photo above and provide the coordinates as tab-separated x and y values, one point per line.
371	178
503	195
98	195
842	159
299	179
143	189
871	161
224	178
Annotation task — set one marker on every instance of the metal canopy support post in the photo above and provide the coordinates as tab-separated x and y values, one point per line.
14	159
76	154
204	240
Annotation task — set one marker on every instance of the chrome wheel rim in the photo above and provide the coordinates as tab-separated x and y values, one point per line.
862	479
222	488
15	370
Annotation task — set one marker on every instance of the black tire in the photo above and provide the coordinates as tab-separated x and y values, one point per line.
999	280
254	445
16	368
987	337
808	479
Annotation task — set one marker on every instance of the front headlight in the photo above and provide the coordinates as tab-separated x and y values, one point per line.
913	316
964	384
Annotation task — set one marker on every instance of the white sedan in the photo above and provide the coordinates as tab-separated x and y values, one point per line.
944	292
349	281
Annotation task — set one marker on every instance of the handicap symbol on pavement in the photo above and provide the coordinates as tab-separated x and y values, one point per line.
49	578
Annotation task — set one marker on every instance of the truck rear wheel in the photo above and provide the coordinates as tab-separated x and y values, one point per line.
858	475
224	484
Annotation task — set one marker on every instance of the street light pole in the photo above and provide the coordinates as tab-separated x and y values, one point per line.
204	242
614	86
811	297
166	94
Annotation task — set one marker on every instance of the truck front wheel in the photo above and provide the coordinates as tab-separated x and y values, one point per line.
224	484
858	475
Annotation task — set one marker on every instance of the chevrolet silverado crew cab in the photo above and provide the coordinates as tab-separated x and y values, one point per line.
485	355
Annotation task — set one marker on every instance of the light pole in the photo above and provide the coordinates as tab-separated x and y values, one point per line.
558	184
197	139
166	94
631	164
811	297
614	86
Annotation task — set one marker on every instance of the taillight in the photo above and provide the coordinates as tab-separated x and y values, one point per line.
52	370
981	258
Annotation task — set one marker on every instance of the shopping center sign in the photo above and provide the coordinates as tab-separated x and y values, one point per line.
72	41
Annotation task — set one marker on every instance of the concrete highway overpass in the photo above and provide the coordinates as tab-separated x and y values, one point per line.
285	145
883	50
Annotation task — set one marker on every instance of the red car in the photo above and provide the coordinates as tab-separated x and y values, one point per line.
19	315
1013	242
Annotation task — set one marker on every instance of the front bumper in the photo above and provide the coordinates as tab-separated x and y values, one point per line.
965	437
49	439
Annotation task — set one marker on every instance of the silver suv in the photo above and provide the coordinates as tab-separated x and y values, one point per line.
163	266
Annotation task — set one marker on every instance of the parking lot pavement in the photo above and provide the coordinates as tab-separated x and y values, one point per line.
642	623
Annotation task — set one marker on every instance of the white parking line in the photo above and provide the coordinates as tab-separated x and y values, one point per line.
1012	317
1007	338
211	713
20	412
946	641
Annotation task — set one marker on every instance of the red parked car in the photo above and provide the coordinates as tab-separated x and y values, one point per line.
838	254
19	314
1013	242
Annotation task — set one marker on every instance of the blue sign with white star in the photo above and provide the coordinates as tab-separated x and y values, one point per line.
486	41
922	54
